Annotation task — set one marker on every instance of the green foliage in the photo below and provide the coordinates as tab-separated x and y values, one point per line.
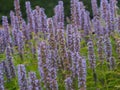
48	5
106	79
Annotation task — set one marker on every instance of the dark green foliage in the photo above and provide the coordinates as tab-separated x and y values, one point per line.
7	5
106	79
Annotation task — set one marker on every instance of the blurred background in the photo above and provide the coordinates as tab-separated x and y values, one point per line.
7	5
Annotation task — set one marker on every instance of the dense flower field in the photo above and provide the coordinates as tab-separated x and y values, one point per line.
61	53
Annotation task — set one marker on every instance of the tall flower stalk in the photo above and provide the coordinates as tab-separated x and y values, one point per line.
22	79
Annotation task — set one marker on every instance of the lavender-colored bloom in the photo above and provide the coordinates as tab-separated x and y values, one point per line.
15	31
81	73
18	13
41	22
53	81
29	11
37	18
51	35
6	70
112	13
20	43
27	31
47	66
112	63
76	39
2	41
51	59
74	11
70	59
1	77
91	54
79	70
6	29
52	70
107	47
17	7
41	55
5	24
44	28
68	83
61	8
37	84
7	38
34	83
30	16
100	45
10	62
97	27
108	20
59	15
12	18
22	77
86	24
104	8
82	12
62	49
16	26
73	38
12	68
74	56
118	24
8	53
94	7
108	52
69	36
55	23
89	22
42	63
76	16
51	27
117	45
79	8
105	30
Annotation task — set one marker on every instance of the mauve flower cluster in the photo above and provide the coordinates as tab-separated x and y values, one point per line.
1	77
57	46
